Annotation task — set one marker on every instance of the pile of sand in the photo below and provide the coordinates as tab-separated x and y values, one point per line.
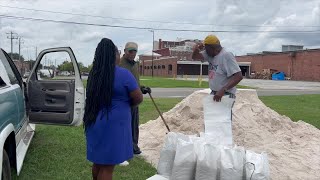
293	148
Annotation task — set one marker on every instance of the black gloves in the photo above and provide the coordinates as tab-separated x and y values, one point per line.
145	90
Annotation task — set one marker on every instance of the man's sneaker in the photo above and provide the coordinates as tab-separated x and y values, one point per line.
124	163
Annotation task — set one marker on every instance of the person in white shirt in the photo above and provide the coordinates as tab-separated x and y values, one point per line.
224	71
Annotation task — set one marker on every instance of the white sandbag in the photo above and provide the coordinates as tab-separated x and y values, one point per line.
232	163
168	152
184	162
217	119
257	166
208	158
221	134
218	111
157	177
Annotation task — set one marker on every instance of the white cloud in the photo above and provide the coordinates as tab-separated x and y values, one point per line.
84	39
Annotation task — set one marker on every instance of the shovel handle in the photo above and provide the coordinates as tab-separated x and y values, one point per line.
164	121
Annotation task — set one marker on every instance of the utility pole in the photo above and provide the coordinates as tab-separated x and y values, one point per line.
36	53
20	42
152	30
12	37
22	65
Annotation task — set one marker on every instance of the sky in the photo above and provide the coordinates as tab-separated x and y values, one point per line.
204	15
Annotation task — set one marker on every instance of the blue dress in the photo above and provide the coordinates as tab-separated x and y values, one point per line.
109	142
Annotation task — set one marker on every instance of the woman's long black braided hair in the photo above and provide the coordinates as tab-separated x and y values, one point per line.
100	81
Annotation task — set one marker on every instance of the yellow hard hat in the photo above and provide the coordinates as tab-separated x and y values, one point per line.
211	40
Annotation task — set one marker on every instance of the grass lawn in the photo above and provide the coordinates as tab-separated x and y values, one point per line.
171	83
58	152
303	107
160	82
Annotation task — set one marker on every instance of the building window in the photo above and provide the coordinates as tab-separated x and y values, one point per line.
148	67
163	66
159	67
154	67
170	69
145	67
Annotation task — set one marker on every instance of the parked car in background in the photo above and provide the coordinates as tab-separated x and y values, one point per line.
65	73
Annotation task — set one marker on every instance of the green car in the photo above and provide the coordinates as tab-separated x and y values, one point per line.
36	101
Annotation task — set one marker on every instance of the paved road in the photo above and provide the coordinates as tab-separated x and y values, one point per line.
184	92
285	85
271	84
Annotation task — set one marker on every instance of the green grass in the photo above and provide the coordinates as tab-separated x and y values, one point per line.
303	107
149	112
58	152
160	82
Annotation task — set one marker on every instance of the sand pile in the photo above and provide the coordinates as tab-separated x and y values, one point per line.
293	148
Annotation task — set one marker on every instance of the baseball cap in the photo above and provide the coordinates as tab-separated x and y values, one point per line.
211	40
131	46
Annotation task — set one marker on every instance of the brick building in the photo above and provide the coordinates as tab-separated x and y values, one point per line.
182	49
301	65
174	59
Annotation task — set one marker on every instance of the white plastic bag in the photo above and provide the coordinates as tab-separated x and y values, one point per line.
217	119
184	162
259	169
232	163
208	158
168	152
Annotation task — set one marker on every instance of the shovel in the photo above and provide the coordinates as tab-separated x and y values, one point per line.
155	105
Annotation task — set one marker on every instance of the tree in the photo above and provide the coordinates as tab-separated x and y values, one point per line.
15	56
90	67
66	66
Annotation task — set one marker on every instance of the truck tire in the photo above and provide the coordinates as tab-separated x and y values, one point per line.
6	170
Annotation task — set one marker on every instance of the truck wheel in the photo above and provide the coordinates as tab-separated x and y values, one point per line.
6	170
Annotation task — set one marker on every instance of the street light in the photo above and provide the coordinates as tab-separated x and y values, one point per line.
152	50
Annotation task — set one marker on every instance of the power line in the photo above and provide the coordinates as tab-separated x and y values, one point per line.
148	28
152	21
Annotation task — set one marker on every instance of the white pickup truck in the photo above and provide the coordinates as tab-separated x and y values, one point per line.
36	101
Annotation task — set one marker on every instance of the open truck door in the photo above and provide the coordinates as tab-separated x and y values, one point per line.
53	97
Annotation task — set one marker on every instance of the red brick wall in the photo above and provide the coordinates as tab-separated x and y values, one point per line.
144	65
305	66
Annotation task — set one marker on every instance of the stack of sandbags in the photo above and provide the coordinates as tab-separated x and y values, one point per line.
191	157
212	155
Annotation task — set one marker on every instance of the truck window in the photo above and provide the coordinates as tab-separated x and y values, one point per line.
56	66
12	71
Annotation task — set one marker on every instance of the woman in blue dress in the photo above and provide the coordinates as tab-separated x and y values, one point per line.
111	92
